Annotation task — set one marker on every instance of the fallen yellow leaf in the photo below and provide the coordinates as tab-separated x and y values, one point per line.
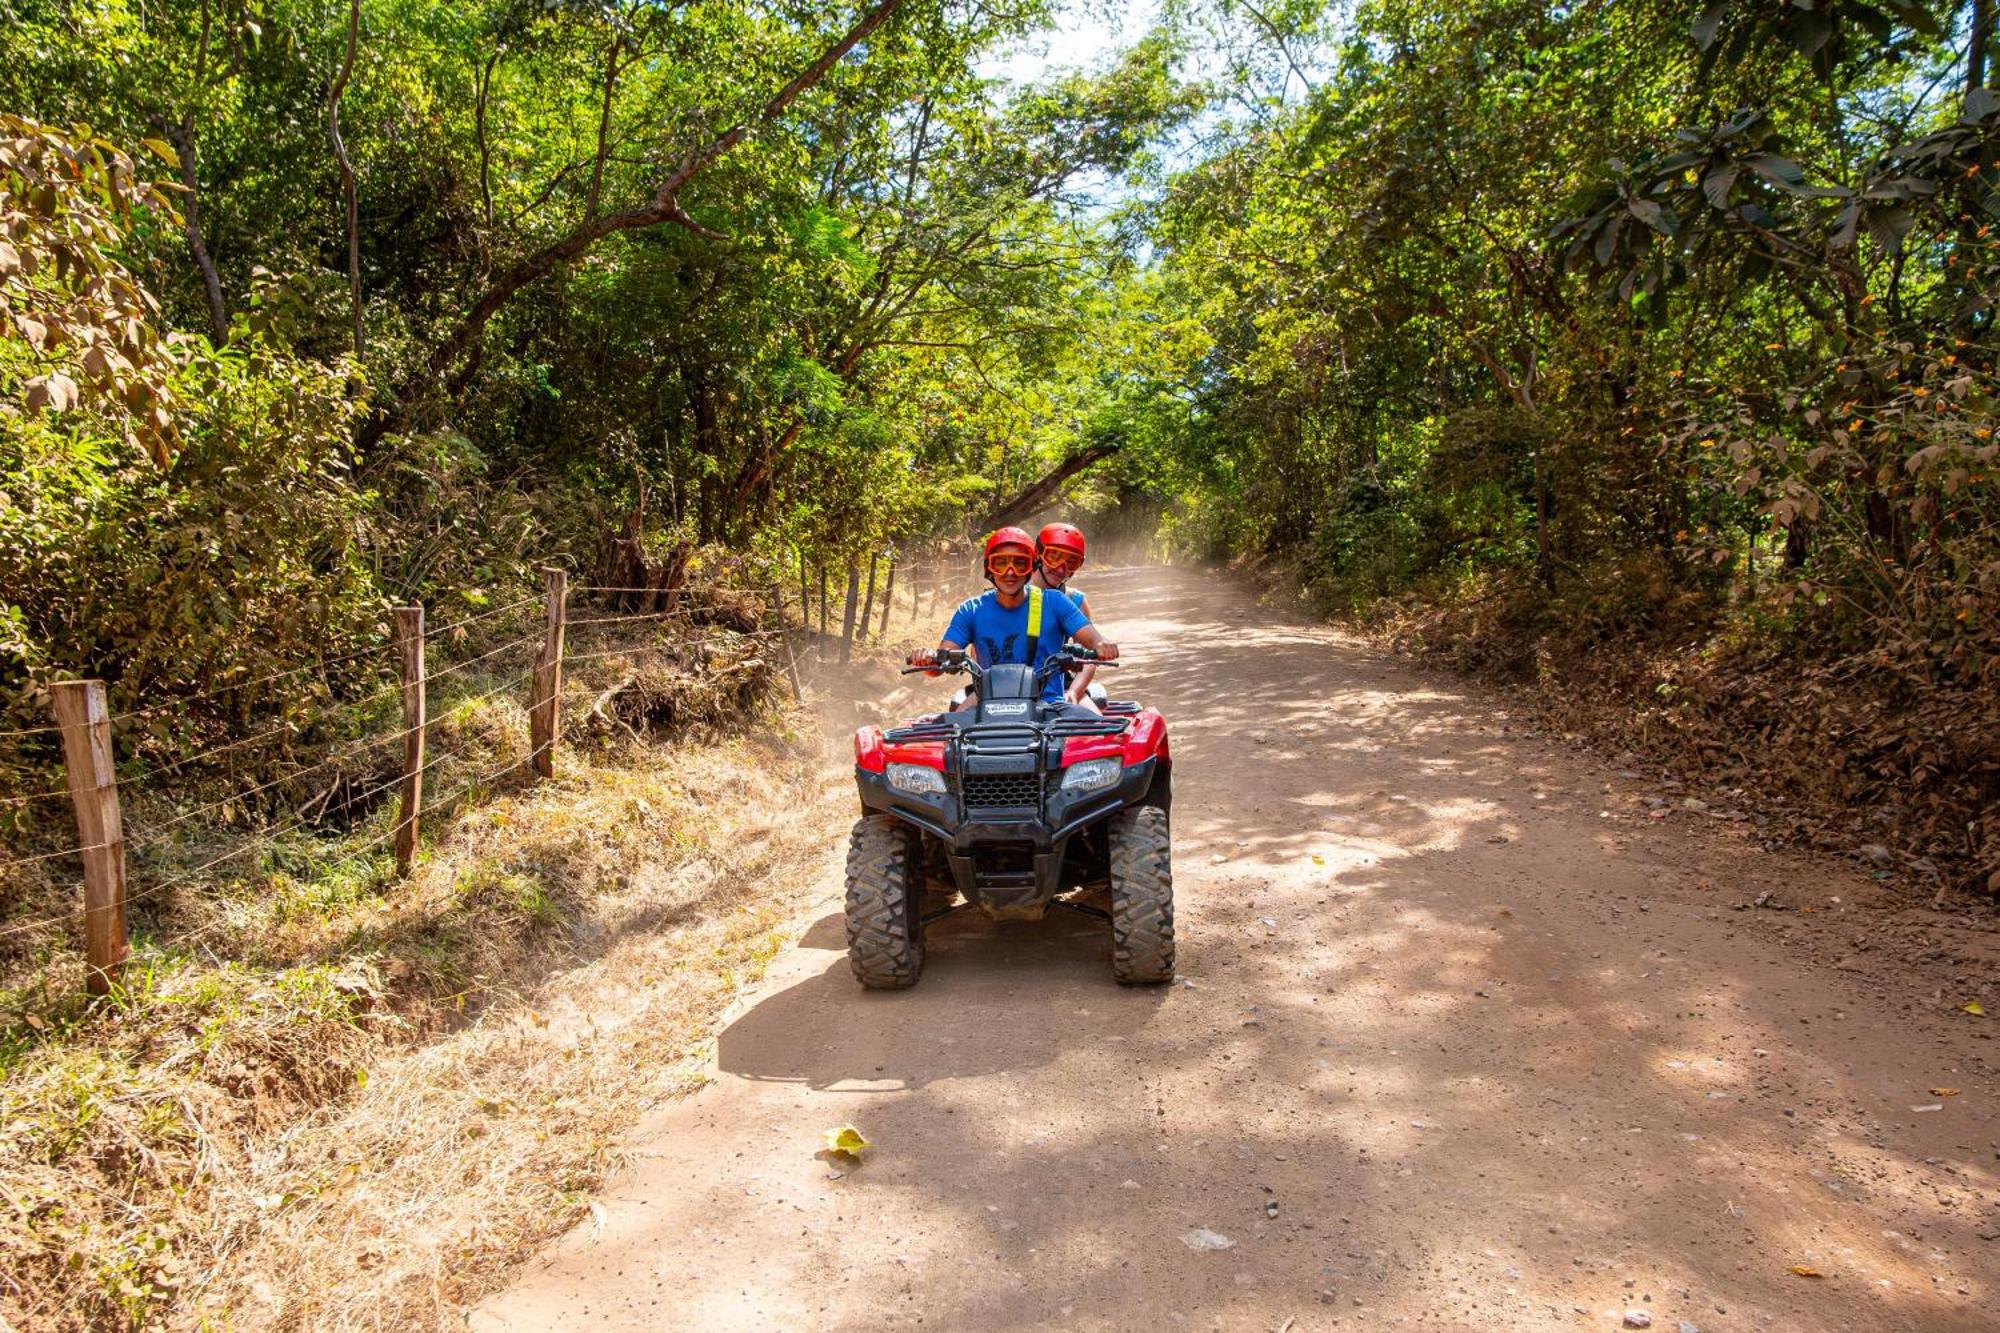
1974	1007
1944	1092
1318	860
1803	1271
845	1139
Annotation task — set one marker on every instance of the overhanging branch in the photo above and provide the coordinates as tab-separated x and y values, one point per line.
1036	493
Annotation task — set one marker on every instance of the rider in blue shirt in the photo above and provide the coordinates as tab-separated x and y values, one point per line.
994	625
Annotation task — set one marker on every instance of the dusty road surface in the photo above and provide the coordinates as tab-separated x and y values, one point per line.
1468	1039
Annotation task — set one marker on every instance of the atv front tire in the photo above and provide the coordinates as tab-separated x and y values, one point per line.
885	883
1142	897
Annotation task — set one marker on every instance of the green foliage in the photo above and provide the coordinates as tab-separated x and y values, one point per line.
80	328
246	550
842	346
1476	303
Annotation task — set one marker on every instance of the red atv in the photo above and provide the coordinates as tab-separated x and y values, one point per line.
1015	805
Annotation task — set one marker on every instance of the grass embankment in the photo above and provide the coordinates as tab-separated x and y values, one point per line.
329	1098
1886	754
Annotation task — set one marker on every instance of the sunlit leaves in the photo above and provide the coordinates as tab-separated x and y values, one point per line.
86	331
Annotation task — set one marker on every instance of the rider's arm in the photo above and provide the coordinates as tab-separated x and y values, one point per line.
1090	637
1079	686
927	656
956	635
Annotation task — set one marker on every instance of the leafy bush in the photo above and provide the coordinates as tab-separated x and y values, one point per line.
245	555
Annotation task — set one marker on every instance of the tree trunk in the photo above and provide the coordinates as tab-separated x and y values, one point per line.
757	468
663	207
1975	53
805	591
182	135
888	600
1036	493
847	616
347	185
1544	563
868	604
642	583
822	601
1798	543
479	105
604	125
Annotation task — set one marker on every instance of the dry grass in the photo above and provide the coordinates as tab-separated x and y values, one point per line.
333	1100
1823	750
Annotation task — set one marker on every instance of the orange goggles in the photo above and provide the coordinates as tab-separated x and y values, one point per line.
1010	564
1059	559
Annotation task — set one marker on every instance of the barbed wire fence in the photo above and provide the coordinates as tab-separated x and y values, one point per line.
84	724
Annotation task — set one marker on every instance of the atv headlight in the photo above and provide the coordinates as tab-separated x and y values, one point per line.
1093	774
916	779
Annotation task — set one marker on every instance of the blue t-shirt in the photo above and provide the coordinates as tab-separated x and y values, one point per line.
1000	634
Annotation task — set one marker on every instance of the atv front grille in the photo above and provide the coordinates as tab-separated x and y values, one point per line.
986	790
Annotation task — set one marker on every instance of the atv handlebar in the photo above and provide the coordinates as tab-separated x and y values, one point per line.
954	661
944	662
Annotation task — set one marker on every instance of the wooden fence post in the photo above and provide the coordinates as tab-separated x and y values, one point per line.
545	710
805	594
847	615
85	719
868	605
785	637
410	647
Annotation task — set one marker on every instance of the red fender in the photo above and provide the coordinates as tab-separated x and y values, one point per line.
930	754
873	755
869	756
1145	738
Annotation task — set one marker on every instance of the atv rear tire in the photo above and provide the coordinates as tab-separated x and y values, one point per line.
885	880
1142	897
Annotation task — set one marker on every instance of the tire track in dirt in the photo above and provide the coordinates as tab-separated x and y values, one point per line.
1470	1042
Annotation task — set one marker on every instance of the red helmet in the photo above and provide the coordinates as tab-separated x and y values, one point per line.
1002	539
1062	536
1009	536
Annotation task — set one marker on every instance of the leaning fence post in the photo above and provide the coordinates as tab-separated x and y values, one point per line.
784	632
853	601
85	719
410	647
545	711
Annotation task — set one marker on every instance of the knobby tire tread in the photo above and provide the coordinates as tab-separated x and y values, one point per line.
885	941
1142	897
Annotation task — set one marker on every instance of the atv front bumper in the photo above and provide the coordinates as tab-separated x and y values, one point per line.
1007	856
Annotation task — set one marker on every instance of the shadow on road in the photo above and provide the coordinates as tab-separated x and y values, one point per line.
1459	1049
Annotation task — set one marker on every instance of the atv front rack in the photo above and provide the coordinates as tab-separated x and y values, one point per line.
997	735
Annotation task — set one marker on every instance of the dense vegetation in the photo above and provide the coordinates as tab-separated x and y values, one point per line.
1639	352
1652	345
429	294
1660	333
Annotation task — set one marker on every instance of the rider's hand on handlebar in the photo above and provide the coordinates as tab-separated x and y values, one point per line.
924	657
1107	651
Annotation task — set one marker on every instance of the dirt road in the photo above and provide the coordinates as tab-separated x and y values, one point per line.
1468	1039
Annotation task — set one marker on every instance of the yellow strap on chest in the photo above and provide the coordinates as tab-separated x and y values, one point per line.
1034	619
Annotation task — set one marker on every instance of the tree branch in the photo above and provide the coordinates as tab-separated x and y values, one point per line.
663	207
479	132
347	175
1035	493
603	125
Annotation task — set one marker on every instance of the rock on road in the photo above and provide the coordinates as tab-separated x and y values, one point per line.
1468	1039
